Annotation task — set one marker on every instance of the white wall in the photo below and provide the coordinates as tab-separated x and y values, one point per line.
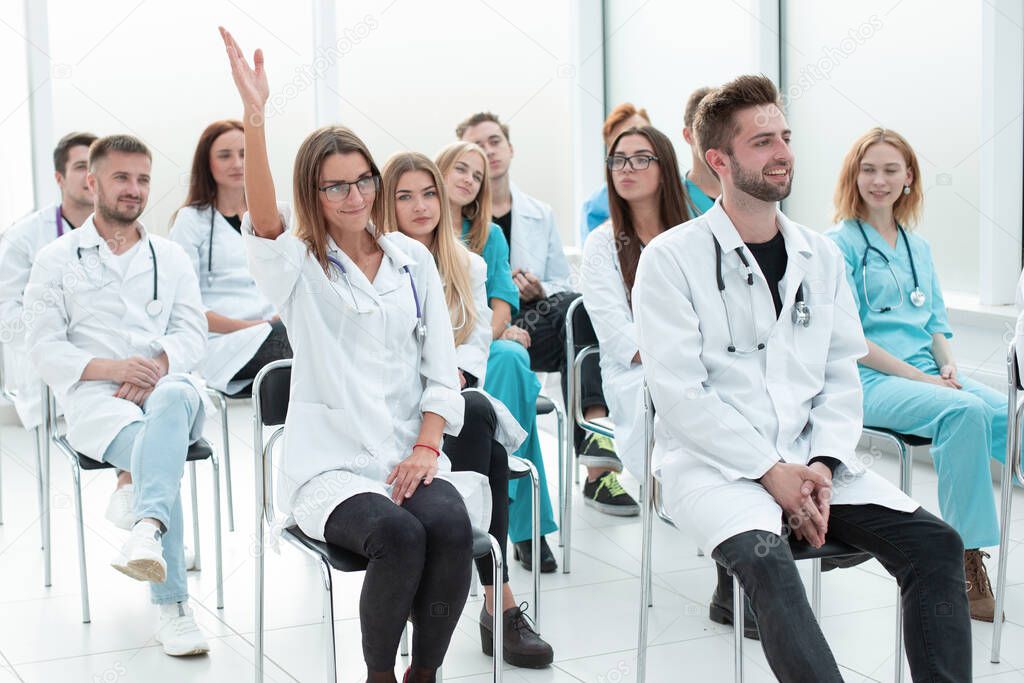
159	72
421	68
15	136
660	51
914	67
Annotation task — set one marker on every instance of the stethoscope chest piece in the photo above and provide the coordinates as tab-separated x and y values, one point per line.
917	297
801	314
154	308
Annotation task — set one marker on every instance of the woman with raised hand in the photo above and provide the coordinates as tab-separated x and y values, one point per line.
414	202
463	166
374	385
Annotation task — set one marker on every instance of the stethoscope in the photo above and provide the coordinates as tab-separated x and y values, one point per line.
917	297
421	327
60	222
209	252
154	307
801	314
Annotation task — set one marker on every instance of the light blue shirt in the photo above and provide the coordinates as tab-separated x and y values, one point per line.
905	331
595	209
499	273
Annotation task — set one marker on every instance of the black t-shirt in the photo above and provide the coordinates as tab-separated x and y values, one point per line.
235	222
505	223
772	258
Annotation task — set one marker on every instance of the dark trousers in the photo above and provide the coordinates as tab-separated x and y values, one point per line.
419	556
923	553
275	347
544	319
475	450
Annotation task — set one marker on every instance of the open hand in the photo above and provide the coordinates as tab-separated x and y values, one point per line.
406	476
251	81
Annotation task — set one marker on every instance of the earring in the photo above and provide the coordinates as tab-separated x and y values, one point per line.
906	189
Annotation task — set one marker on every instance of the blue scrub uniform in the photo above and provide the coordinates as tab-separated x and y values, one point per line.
510	380
966	426
595	209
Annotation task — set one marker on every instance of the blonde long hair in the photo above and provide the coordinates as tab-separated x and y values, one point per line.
310	223
479	212
847	200
451	257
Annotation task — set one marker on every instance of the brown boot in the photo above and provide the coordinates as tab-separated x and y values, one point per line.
979	588
522	646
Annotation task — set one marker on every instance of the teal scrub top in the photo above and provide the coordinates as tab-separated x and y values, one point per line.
905	332
499	273
595	208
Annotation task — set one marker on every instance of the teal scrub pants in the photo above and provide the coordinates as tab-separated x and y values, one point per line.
967	426
510	380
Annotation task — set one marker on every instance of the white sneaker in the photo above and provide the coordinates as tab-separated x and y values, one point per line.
178	631
119	507
142	556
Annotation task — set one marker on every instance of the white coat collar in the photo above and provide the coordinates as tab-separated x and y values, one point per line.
523	204
88	236
728	238
386	279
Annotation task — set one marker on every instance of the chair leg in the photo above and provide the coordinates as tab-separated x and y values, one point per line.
535	542
645	589
226	449
474	588
404	645
195	515
737	627
76	475
816	588
898	676
38	434
217	541
497	645
332	667
258	588
44	467
1005	509
567	463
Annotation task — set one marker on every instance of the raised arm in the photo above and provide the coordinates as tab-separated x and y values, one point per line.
259	183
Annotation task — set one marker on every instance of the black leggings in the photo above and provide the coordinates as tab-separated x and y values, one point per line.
475	450
419	556
274	347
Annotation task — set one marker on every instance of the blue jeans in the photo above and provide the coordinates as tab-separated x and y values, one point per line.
153	450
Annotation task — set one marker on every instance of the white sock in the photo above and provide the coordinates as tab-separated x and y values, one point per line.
145	526
174	609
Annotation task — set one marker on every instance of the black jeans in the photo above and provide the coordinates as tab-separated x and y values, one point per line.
544	319
475	450
275	347
923	553
419	556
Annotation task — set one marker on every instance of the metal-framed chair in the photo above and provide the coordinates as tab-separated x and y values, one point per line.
271	391
546	406
221	399
1011	468
200	450
39	435
801	551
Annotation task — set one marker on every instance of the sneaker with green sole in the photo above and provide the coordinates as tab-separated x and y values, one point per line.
599	451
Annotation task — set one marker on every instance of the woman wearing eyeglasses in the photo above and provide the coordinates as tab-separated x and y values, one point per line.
910	379
374	386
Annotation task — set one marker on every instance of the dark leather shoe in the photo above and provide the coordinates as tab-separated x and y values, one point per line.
720	612
523	552
521	646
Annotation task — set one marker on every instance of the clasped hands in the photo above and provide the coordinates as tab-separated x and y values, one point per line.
804	492
138	377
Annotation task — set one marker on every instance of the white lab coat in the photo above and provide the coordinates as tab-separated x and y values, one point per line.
18	247
536	246
83	309
472	356
360	379
723	419
229	290
604	295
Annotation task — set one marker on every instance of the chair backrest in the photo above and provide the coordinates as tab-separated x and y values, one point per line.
9	394
1013	382
271	390
651	483
579	329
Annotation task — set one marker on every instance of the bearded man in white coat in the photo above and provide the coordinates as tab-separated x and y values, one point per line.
750	340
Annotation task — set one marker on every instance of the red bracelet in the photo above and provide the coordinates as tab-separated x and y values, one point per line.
437	453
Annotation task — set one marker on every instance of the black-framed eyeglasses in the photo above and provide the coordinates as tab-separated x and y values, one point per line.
338	192
637	162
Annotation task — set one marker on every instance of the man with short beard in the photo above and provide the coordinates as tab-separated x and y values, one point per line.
18	248
750	339
116	324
